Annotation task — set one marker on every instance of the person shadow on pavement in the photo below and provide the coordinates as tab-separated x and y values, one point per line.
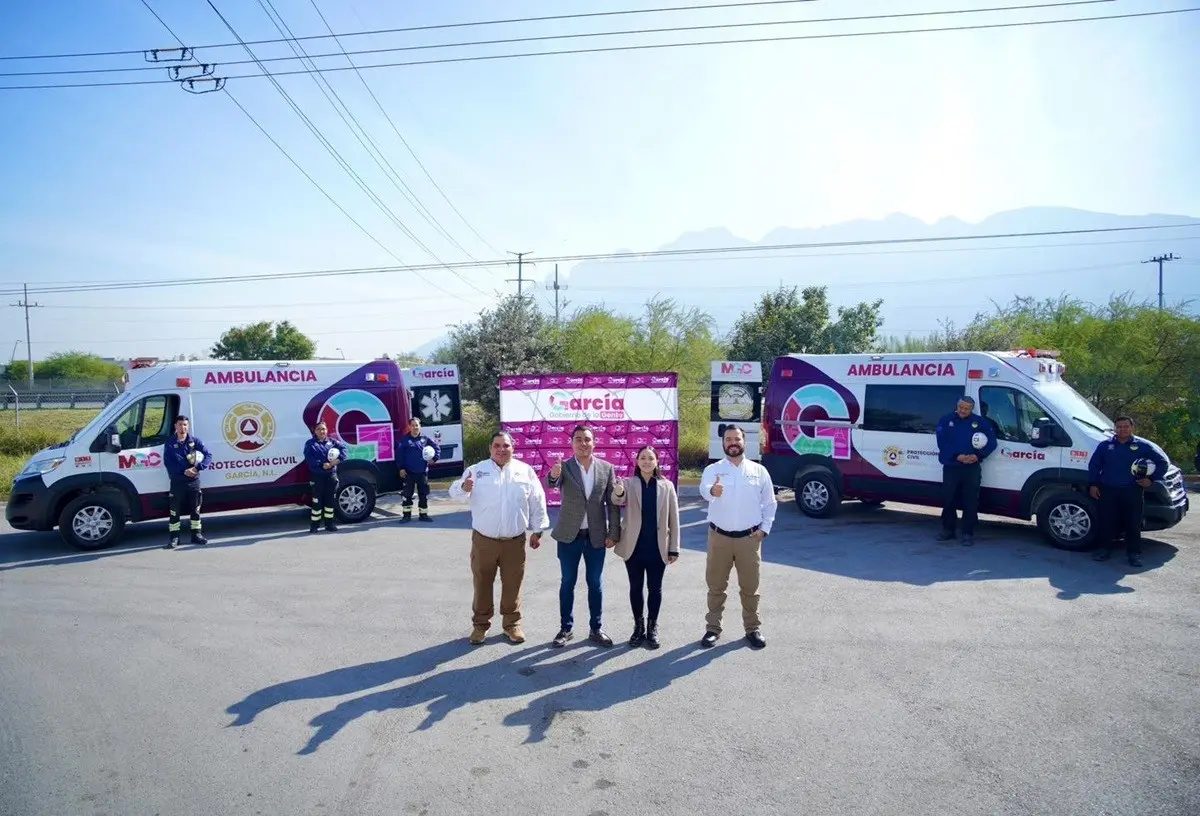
606	690
515	674
347	680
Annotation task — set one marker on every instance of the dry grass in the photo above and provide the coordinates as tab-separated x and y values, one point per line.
38	430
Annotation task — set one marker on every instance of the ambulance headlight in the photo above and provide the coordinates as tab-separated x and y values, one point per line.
42	467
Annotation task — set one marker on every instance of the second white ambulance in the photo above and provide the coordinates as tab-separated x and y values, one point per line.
862	427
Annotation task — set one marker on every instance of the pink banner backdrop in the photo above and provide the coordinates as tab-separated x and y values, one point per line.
624	411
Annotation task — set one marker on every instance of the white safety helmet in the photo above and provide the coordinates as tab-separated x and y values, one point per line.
428	453
979	441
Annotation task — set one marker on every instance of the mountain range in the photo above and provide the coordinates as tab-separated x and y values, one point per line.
940	275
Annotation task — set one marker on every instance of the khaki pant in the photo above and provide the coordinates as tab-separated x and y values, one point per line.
487	556
724	554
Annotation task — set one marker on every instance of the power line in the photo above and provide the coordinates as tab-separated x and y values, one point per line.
582	35
344	164
377	155
437	26
645	47
294	163
411	152
660	253
26	305
1160	259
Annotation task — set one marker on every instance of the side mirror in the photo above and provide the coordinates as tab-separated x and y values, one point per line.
1044	432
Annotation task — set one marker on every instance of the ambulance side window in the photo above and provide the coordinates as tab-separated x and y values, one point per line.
147	423
908	408
1013	412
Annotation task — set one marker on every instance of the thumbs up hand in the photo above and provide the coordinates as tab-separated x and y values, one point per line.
556	471
717	488
468	483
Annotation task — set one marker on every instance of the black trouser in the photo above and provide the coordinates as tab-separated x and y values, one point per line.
960	486
185	497
645	571
421	482
324	493
1121	509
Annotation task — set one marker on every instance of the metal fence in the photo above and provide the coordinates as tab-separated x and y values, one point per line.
20	401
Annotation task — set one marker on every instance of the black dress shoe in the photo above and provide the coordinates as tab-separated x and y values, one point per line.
652	641
1135	560
1101	555
709	640
968	541
945	535
598	636
561	638
756	640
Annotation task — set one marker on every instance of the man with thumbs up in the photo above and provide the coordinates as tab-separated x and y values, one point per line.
506	499
741	510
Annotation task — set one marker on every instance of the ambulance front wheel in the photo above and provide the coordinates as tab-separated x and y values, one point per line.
355	499
817	494
92	521
1069	520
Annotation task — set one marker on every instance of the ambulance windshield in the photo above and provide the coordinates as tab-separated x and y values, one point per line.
1073	405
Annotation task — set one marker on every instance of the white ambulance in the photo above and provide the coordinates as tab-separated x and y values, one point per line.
862	427
254	418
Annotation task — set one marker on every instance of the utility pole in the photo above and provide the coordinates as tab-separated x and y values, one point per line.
556	286
26	305
1159	260
520	279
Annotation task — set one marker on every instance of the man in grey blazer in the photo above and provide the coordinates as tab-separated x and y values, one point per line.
588	524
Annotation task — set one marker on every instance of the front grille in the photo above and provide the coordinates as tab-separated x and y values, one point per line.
1173	481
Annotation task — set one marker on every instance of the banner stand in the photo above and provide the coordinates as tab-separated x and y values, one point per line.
624	411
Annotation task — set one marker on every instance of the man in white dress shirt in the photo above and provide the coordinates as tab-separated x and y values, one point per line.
741	510
506	499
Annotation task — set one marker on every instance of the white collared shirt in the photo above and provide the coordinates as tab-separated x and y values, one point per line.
589	482
747	498
505	502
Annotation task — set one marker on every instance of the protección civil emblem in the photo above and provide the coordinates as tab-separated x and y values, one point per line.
248	427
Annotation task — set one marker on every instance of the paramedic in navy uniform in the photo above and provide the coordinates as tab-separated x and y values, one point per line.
964	440
1119	471
322	475
414	470
741	511
184	456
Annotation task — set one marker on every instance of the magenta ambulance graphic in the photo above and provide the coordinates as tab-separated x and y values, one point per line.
863	427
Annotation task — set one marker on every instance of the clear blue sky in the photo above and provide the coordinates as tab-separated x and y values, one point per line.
588	153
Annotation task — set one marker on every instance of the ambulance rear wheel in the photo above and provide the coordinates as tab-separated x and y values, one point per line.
92	521
1069	520
817	494
355	499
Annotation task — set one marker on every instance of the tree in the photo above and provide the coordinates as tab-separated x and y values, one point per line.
790	322
67	365
513	338
406	359
1125	357
262	341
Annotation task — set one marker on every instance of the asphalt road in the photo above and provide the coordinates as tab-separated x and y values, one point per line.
276	672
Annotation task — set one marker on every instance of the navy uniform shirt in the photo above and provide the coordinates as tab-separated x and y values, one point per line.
175	457
1113	462
409	456
316	454
954	438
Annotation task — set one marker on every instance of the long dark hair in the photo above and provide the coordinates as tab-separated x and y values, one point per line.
637	469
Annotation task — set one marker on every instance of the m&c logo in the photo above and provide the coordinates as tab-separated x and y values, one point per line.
135	461
248	427
737	368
